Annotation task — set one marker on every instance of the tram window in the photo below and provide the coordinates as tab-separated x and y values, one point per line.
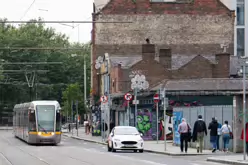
32	121
58	121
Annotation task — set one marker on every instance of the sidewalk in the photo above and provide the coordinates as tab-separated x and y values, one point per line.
150	146
229	159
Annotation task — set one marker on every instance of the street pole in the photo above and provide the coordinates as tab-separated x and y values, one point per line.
128	105
244	111
72	117
77	116
136	112
157	119
165	105
85	89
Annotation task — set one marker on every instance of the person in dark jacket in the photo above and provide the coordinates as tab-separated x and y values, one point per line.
213	127
198	133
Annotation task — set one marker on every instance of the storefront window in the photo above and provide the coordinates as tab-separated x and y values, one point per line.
240	12
240	41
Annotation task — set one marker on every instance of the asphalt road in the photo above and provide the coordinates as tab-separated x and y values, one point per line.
77	152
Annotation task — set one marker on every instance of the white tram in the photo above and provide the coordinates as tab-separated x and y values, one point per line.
38	122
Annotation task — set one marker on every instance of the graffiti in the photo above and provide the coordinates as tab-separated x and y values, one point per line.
168	129
240	116
144	123
135	72
181	103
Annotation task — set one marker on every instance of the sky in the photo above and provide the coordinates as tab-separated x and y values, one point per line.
53	10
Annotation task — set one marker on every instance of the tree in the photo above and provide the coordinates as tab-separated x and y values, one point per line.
70	96
51	85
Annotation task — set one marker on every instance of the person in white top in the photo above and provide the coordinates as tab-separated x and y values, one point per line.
226	130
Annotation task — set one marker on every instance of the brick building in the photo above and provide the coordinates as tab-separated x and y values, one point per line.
181	31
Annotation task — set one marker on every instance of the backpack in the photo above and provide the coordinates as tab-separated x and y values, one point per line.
200	126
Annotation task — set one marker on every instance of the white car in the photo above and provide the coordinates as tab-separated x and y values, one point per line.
125	138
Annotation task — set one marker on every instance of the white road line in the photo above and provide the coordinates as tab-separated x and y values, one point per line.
124	157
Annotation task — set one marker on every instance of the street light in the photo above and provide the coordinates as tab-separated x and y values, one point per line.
138	83
243	71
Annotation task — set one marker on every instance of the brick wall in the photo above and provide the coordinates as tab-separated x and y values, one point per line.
186	28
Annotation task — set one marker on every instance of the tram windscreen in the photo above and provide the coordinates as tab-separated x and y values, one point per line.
45	117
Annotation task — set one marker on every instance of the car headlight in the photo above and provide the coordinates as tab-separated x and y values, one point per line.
117	140
141	140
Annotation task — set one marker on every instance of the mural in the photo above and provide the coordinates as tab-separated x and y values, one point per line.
177	120
144	120
169	127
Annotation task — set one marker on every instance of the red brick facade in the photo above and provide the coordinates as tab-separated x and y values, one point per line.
180	30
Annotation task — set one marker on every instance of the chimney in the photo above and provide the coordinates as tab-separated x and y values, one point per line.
222	66
165	58
148	52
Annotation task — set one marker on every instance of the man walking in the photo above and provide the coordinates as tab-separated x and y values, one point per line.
218	136
213	127
198	133
183	129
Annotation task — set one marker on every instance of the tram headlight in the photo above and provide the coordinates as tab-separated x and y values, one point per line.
52	133
39	133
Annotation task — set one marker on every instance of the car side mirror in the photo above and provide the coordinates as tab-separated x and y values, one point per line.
111	134
141	134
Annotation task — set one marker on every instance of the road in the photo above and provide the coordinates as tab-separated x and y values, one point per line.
77	152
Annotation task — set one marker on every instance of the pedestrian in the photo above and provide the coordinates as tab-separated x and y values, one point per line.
183	129
246	137
218	136
226	131
213	127
198	133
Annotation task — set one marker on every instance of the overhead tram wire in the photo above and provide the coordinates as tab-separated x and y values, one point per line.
40	48
28	9
57	22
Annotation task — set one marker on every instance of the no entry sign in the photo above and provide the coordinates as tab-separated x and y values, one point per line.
156	98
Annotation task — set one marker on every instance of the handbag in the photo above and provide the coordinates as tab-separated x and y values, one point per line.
189	133
230	133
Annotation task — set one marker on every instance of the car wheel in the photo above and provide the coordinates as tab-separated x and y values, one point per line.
113	150
109	149
134	150
141	151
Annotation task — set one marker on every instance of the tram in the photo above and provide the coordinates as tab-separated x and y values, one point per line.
38	122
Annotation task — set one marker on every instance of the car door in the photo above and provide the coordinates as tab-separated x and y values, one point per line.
111	135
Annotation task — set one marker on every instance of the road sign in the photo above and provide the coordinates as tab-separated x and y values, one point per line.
128	97
156	98
104	99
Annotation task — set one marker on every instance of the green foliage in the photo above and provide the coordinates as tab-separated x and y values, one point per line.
52	85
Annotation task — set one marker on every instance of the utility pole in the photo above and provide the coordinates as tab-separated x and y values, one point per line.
77	116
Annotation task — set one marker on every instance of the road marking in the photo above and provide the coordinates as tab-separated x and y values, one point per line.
124	157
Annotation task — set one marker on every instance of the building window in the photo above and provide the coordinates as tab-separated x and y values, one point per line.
240	12
240	41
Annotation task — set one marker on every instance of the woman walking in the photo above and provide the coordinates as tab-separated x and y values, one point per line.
226	131
184	130
246	136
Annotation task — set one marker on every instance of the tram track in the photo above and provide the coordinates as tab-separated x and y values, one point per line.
8	141
6	160
36	157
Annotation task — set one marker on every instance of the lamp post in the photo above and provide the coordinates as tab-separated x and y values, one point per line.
138	83
243	72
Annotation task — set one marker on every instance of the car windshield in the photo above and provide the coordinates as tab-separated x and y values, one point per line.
126	131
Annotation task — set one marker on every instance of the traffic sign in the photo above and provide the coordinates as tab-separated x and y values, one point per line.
156	98
104	99
128	97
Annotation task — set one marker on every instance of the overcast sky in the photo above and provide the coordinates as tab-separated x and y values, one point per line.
51	10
